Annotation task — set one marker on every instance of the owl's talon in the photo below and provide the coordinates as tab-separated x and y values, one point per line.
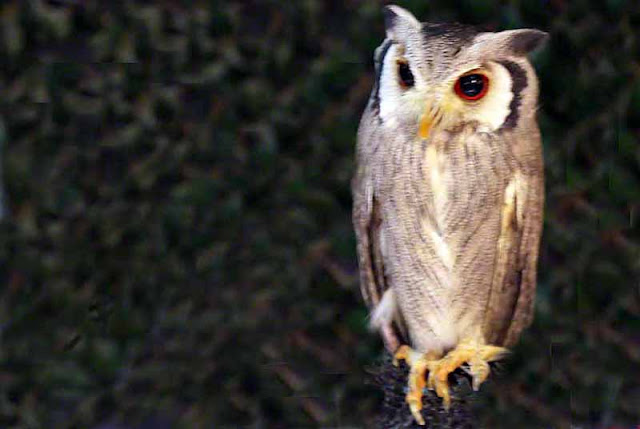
476	355
416	381
479	364
479	371
441	387
403	353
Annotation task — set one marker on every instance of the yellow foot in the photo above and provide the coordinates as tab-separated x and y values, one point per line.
418	365
476	355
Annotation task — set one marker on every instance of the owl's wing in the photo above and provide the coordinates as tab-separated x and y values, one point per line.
513	291
367	221
529	212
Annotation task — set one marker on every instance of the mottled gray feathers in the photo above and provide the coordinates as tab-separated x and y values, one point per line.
457	34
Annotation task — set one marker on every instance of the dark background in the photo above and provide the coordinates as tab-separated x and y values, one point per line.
177	249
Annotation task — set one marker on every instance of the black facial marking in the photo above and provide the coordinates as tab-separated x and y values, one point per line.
381	52
518	84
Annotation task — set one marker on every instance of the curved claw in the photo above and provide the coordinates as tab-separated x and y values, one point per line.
479	370
416	385
442	387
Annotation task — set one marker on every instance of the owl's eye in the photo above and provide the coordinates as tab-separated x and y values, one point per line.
472	86
404	74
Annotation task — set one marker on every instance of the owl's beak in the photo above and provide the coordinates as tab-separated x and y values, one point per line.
431	117
426	122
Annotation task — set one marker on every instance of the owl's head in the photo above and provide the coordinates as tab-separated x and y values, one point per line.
442	76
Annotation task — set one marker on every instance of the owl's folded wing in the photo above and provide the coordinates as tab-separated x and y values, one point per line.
367	221
511	302
529	207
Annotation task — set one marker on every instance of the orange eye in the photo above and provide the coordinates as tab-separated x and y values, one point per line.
472	86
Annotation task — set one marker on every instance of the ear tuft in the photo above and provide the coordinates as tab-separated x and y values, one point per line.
525	41
389	17
395	16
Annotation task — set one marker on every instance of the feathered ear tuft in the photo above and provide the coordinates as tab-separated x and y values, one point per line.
524	41
395	17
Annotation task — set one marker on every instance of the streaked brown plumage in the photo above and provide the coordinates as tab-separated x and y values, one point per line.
448	196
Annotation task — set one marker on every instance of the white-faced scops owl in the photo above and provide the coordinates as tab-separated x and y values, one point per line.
448	197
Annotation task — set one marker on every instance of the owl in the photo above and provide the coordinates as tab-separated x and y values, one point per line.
448	197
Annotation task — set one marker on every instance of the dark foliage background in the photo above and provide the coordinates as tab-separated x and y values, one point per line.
177	250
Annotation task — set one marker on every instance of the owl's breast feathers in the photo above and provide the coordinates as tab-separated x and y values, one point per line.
459	223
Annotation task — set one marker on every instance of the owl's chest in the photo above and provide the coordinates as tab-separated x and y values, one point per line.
447	183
